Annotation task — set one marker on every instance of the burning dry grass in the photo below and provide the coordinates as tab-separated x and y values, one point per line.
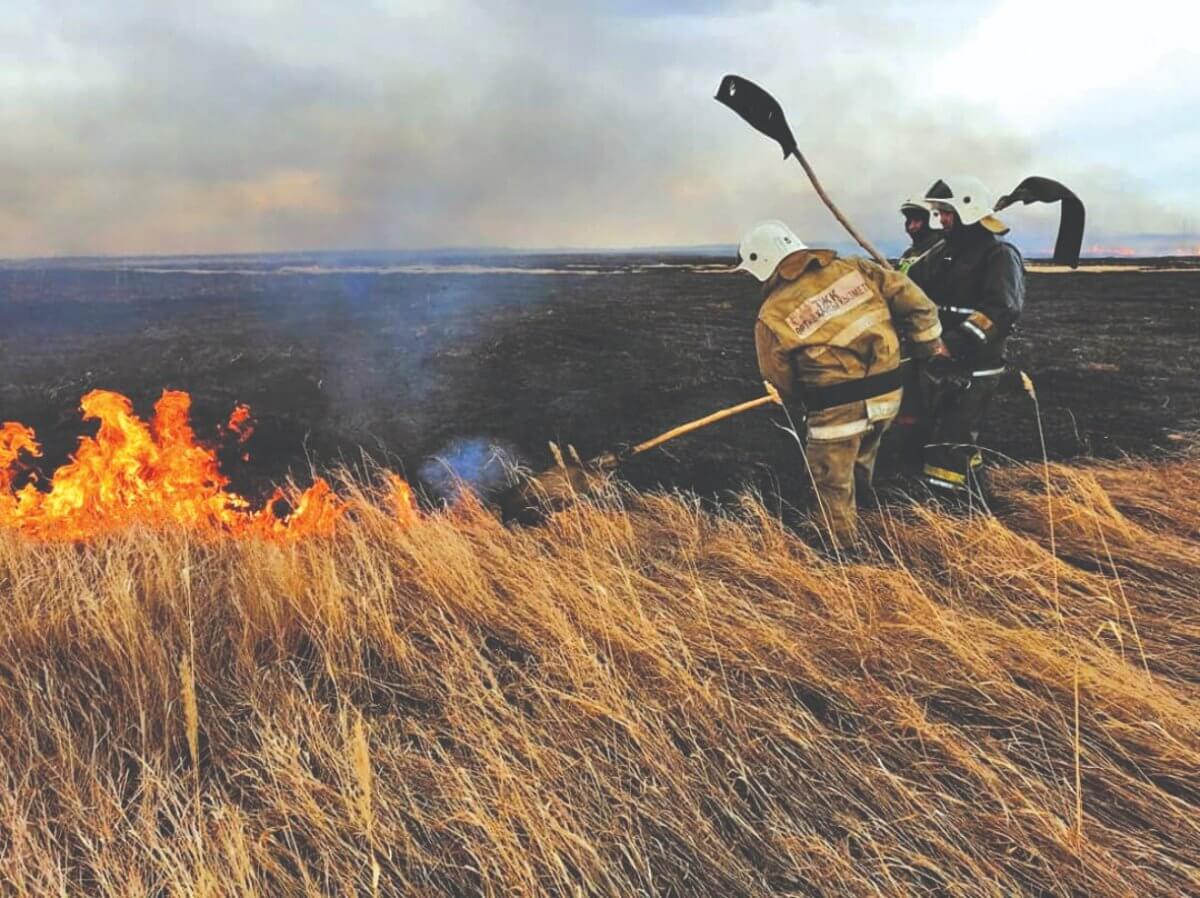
134	472
649	700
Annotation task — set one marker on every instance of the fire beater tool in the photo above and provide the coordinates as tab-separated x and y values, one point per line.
571	477
1071	217
763	113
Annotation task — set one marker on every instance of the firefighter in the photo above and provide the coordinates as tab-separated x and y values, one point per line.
978	283
826	338
911	427
922	227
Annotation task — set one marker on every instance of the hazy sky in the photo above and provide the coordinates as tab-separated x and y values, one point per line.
144	126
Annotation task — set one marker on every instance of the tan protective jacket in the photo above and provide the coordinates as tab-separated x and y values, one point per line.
827	320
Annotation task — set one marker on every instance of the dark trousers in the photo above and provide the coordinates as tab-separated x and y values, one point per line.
912	426
952	450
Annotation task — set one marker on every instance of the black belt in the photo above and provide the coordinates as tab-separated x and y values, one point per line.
818	399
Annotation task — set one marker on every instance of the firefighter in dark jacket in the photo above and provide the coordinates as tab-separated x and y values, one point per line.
912	424
978	283
922	228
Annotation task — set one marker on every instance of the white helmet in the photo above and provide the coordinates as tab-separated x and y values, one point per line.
968	196
935	222
765	246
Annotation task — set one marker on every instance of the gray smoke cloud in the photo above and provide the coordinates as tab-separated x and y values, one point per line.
141	127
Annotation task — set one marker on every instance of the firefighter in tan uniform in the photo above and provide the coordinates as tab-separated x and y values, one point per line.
827	339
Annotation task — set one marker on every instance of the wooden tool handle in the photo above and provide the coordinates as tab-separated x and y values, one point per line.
837	213
703	422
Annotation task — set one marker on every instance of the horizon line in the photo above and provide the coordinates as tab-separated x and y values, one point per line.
676	249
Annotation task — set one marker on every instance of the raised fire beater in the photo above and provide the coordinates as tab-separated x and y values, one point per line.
826	338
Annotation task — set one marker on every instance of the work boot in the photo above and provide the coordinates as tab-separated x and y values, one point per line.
951	467
944	473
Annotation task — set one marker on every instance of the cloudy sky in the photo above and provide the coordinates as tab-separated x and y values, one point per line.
143	126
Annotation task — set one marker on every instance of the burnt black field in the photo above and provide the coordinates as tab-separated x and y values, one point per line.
423	368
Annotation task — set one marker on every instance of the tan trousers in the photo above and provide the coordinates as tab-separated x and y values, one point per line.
837	466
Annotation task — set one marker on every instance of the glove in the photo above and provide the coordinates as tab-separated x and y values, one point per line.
946	374
959	344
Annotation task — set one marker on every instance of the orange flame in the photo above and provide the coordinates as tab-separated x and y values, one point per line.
240	426
239	423
133	472
402	501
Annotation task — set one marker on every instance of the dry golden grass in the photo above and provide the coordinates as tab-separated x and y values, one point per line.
638	700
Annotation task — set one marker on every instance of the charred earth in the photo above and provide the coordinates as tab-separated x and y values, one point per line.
428	364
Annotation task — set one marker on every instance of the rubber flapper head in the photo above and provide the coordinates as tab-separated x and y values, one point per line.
759	109
1071	214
